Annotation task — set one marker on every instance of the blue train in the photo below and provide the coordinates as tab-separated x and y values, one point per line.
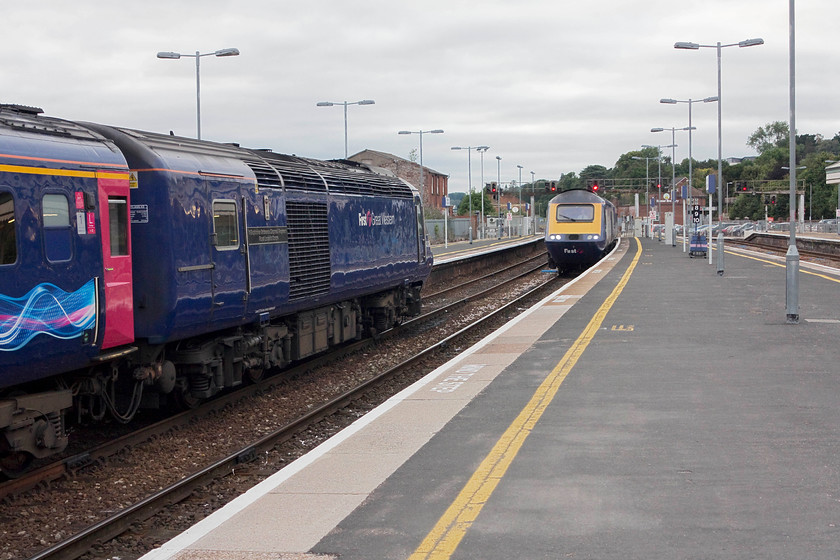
138	267
581	227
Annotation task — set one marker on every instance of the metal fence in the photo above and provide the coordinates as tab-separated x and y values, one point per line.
457	229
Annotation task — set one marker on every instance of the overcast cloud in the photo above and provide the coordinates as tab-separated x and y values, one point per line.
553	86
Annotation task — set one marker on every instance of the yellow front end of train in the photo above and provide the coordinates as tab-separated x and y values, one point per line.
580	227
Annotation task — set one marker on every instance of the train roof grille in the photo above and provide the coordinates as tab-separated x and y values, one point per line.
27	119
267	176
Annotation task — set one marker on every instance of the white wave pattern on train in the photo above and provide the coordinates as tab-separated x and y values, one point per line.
49	310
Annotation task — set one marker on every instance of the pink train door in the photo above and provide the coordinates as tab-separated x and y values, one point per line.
116	258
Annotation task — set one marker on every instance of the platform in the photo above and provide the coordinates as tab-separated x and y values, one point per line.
650	409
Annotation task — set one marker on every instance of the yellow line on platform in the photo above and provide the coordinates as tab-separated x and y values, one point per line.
451	528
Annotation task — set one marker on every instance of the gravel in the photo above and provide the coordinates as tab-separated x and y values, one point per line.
39	519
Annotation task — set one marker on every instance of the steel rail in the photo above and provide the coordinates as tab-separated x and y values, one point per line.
98	455
107	529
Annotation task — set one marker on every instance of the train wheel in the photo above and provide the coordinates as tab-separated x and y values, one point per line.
183	399
14	463
254	375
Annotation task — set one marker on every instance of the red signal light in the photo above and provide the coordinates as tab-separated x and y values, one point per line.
595	187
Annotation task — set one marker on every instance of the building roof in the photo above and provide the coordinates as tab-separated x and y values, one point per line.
396	159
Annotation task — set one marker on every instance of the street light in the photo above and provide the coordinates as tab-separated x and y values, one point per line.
499	180
520	200
481	150
673	181
345	104
175	56
647	184
792	255
718	47
421	132
690	102
469	177
534	209
673	147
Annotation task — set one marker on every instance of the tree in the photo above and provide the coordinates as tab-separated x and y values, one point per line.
747	206
771	161
594	172
569	181
773	135
629	167
464	206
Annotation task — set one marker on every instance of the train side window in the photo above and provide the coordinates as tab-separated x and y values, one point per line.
8	238
225	227
55	211
118	225
575	212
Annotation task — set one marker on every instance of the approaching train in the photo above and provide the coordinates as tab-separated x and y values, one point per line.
581	227
137	267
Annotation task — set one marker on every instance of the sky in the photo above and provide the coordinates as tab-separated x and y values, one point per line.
551	85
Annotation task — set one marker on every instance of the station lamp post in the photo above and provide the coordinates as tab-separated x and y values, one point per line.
520	199
673	195
421	132
175	56
469	177
690	102
534	210
695	46
345	104
792	256
647	182
499	180
481	150
673	147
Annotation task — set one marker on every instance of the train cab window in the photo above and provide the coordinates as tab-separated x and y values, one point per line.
118	225
55	211
8	238
225	227
575	213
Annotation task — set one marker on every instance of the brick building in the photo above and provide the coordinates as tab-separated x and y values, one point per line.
436	183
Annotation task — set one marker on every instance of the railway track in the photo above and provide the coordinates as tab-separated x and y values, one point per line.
107	528
99	454
819	257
